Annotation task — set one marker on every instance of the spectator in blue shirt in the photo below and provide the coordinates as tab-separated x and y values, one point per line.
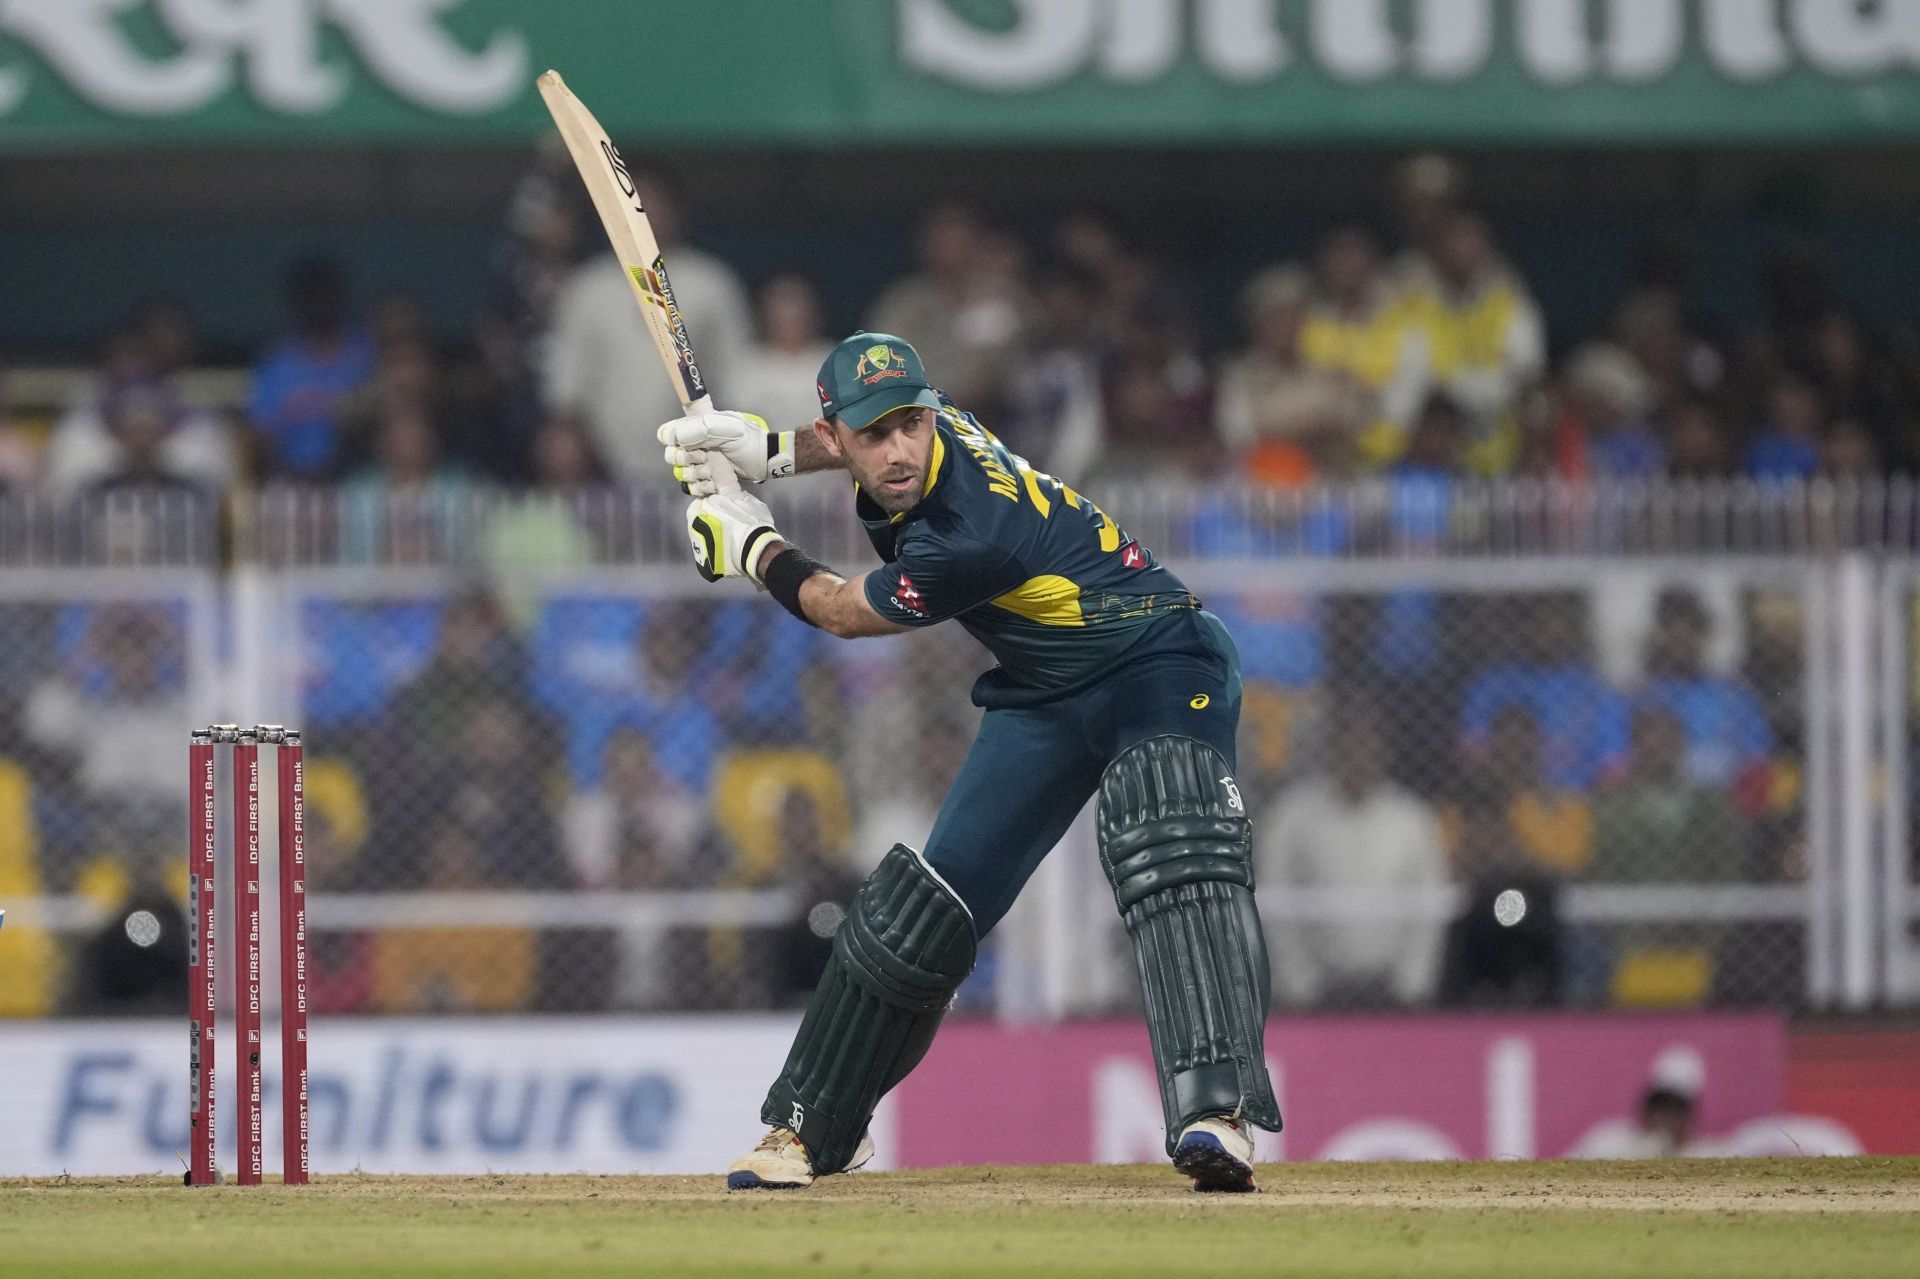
1421	489
1787	445
1612	394
669	701
1279	632
656	674
1582	719
1729	744
301	387
1422	482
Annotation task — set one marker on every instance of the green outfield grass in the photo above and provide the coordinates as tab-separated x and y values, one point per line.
1849	1218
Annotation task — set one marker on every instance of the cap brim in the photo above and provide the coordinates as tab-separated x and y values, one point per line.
863	413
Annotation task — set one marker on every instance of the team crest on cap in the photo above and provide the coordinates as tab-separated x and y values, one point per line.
878	362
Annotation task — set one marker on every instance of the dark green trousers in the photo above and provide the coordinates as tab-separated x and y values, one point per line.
1032	769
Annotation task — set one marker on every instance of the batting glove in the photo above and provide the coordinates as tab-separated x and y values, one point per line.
730	532
696	445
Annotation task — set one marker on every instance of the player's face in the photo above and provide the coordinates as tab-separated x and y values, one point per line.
889	459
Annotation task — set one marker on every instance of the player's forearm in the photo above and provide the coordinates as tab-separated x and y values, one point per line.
809	454
840	607
830	601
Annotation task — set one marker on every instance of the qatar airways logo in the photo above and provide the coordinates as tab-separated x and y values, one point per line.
907	596
1558	43
272	49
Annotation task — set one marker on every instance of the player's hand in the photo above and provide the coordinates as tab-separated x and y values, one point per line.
730	532
699	445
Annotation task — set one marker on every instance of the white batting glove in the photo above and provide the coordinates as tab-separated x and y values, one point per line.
696	445
730	533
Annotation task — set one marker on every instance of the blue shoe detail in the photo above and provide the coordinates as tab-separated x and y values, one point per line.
754	1181
1201	1157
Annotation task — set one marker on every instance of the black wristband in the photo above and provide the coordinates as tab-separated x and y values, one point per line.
750	549
783	577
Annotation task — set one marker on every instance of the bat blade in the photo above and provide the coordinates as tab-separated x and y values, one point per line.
617	200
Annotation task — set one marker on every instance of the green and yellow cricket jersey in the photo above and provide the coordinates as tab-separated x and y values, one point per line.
1034	571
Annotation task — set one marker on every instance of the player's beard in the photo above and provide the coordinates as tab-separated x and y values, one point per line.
888	499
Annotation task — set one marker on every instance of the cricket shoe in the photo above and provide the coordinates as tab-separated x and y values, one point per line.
1217	1152
780	1162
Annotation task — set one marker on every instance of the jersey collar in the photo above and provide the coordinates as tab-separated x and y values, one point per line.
939	459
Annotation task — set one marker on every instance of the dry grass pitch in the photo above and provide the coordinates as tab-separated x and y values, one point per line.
1848	1218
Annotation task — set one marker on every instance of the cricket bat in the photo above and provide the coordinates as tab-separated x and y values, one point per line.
617	201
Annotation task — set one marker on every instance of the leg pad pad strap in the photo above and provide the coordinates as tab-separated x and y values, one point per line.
905	946
1177	848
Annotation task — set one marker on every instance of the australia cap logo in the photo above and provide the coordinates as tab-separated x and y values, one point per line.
878	362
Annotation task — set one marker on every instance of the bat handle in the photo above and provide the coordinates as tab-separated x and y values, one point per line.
725	481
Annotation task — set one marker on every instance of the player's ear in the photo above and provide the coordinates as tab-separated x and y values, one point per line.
824	432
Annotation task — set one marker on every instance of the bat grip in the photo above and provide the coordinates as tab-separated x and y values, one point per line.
724	480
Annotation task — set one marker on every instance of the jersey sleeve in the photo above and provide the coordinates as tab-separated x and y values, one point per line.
934	577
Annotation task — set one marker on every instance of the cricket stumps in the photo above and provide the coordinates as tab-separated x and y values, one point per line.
242	745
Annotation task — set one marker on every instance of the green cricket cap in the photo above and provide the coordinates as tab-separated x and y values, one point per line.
870	375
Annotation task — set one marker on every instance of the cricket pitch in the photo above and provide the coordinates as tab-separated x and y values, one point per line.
1857	1218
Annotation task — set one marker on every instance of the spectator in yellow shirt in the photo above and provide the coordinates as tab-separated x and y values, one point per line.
1356	327
1487	343
1272	397
1548	825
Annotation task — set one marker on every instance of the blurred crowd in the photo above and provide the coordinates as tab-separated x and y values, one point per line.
1487	747
1493	745
1433	752
607	745
1403	342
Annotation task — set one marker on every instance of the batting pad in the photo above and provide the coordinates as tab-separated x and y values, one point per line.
1178	849
904	948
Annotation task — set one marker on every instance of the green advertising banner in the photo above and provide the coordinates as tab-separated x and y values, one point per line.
863	72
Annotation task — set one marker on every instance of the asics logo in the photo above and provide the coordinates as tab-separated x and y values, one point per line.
1200	702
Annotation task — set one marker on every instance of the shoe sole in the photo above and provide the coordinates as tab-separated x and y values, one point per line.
1213	1170
754	1181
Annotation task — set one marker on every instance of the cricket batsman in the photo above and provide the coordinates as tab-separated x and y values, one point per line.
1112	681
